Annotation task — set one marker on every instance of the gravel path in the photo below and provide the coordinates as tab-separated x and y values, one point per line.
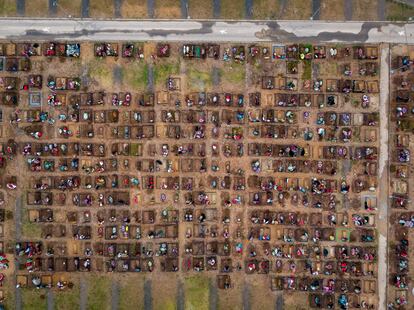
117	6
279	302
381	10
246	297
150	84
348	9
249	9
180	296
117	75
184	9
85	8
216	76
53	7
20	7
213	297
50	300
216	8
282	5
150	8
115	290
83	294
316	9
18	235
147	295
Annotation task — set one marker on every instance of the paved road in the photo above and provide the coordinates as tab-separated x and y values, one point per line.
212	31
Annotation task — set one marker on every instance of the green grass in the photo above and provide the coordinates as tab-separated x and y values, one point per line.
7	8
131	294
135	75
101	72
163	70
67	299
307	70
99	293
398	11
232	9
198	79
34	299
235	74
196	293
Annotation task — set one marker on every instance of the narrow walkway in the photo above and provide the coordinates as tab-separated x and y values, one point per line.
381	10
53	7
85	9
316	9
184	9
180	295
50	300
148	295
117	7
384	178
249	9
150	82
282	6
213	297
216	8
246	297
20	7
115	290
348	9
150	8
83	299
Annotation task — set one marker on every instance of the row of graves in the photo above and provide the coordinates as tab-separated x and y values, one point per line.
401	215
280	180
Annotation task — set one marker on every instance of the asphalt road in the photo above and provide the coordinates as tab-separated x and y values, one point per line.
207	31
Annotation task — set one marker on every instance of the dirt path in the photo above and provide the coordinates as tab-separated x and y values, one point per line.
148	295
384	180
85	8
180	296
216	8
213	297
348	10
150	8
83	294
115	290
279	301
117	6
50	300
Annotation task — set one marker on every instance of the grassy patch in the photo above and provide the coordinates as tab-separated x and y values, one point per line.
167	9
135	75
365	10
37	8
34	299
68	299
200	10
196	293
232	9
398	11
266	9
99	293
134	8
163	70
198	79
101	72
307	70
69	7
7	8
234	74
131	295
167	284
332	10
101	8
297	9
